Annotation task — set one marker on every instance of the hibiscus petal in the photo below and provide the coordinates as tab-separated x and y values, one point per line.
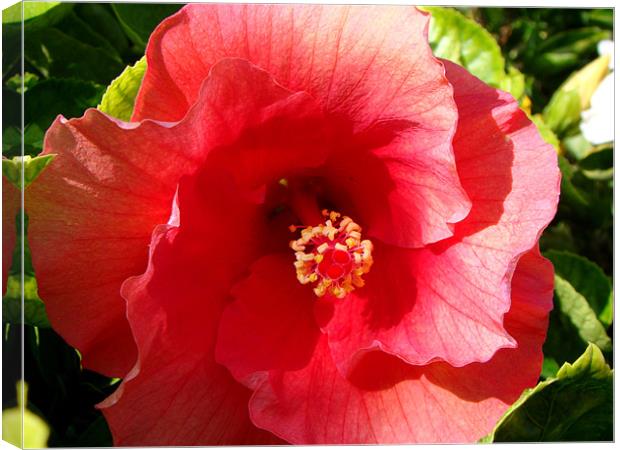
415	197
371	70
92	211
388	401
447	301
367	64
177	394
270	325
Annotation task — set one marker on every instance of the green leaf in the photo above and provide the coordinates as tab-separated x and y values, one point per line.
101	18
69	97
15	82
587	279
66	391
119	98
572	324
42	13
559	236
545	131
139	20
97	434
572	196
563	111
601	17
12	141
576	146
43	102
33	307
550	368
598	165
461	40
56	54
584	199
35	431
582	316
565	49
11	108
11	168
513	82
576	405
74	26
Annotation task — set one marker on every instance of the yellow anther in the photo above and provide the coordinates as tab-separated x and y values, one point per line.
332	255
323	247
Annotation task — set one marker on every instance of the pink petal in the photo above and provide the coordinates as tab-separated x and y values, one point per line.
220	226
447	301
371	70
388	401
270	324
176	394
92	211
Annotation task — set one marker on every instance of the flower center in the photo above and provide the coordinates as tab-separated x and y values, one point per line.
332	255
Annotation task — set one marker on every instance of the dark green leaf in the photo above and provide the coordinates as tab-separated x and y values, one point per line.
559	236
73	26
57	54
587	279
11	108
140	19
33	308
101	18
97	434
12	140
583	199
69	97
598	165
576	308
565	49
575	198
601	17
119	98
576	405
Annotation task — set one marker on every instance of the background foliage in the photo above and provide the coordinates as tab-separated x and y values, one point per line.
74	54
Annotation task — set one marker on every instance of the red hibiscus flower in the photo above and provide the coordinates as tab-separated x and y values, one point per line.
312	231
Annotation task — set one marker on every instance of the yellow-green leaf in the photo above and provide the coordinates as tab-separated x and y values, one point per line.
12	168
119	98
461	40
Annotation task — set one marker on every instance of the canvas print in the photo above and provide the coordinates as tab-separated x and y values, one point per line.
283	224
